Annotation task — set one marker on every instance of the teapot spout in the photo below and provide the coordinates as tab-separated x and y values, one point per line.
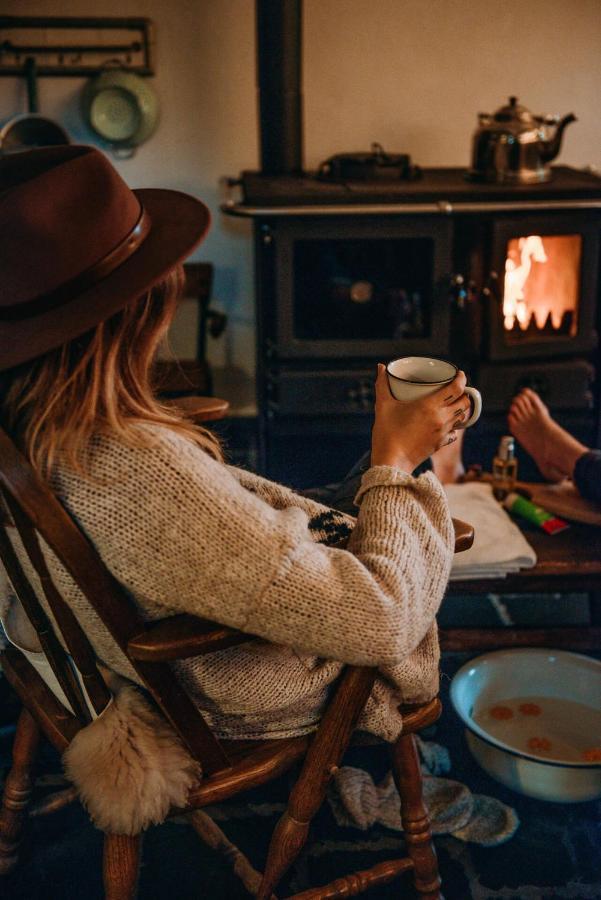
550	149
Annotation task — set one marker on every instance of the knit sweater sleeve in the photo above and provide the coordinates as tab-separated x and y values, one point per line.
177	528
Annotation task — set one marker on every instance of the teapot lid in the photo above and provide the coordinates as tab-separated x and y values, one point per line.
514	112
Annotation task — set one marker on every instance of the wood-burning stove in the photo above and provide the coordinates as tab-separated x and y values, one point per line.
504	281
364	261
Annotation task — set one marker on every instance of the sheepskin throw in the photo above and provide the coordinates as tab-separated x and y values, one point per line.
184	533
129	766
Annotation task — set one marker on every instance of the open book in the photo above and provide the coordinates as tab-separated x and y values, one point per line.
499	546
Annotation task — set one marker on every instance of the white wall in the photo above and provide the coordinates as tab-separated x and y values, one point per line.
411	74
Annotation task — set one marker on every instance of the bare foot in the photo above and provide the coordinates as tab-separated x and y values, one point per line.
447	463
552	448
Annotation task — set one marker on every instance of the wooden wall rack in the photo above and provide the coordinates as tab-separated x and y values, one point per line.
96	42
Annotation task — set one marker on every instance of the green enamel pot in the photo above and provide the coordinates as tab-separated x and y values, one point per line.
121	107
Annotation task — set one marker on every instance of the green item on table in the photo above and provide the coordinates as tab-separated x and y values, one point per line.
518	505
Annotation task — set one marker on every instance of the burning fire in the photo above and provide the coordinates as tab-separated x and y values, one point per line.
542	283
514	301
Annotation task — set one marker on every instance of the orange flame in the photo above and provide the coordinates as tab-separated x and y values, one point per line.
514	302
542	284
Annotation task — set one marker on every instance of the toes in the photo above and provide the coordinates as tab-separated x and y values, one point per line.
520	407
536	401
528	402
513	422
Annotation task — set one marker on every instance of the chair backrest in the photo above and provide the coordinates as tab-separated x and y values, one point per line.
35	510
183	375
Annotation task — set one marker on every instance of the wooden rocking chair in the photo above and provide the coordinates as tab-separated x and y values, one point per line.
229	767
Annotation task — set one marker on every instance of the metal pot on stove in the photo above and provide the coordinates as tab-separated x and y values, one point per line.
514	146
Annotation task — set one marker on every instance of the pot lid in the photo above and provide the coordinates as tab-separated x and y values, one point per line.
514	112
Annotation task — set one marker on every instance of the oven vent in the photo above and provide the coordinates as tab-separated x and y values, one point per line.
279	51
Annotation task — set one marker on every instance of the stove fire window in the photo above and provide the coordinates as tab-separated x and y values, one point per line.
542	287
543	300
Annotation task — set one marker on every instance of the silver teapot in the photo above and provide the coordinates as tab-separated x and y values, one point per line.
514	146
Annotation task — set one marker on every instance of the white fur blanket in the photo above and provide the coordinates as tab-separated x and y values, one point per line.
128	765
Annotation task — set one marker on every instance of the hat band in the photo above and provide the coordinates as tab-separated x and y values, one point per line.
69	290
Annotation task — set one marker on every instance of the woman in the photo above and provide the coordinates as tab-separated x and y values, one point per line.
91	275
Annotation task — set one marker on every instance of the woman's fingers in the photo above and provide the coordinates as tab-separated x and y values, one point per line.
454	390
460	409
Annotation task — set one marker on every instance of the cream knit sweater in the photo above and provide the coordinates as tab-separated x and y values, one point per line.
184	533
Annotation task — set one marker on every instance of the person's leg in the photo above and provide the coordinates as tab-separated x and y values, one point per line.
341	495
553	449
325	493
447	462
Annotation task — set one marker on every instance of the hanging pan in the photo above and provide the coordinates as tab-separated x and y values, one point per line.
121	108
31	129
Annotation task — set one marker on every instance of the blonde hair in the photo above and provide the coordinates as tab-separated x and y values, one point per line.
99	382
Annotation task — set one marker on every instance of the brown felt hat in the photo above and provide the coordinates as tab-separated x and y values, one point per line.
77	245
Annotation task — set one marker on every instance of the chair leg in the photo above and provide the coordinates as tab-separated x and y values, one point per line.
415	818
17	790
121	866
288	839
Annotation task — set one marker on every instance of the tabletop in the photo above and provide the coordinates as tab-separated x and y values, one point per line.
569	561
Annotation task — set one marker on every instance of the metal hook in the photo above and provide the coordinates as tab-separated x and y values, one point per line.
30	70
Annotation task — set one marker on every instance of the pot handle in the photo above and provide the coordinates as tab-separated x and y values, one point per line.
122	152
31	74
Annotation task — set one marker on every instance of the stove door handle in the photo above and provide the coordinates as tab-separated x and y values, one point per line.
491	286
461	291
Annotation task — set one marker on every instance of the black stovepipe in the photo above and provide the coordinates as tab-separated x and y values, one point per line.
279	43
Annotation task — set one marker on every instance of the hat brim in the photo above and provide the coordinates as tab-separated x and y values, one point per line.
178	225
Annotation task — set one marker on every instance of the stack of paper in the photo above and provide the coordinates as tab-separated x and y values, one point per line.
499	546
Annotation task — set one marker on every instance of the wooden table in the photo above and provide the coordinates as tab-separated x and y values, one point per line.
567	562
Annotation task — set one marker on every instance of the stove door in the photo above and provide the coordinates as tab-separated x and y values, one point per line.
544	287
362	287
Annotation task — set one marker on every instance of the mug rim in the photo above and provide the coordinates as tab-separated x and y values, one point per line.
412	381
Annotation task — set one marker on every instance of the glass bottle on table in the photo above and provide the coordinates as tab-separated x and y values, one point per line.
504	468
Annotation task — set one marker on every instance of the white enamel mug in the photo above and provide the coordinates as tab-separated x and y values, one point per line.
412	377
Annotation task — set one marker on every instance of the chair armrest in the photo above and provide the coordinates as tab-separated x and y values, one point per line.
180	637
464	535
200	409
418	716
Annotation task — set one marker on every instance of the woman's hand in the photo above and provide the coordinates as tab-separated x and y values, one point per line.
405	434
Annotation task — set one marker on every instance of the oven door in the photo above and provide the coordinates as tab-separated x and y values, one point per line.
544	284
361	288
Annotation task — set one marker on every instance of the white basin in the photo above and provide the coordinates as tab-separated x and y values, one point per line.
533	720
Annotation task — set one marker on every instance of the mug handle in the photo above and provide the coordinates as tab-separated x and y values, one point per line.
476	396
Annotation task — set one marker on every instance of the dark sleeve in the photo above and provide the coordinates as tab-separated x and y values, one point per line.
587	475
341	495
